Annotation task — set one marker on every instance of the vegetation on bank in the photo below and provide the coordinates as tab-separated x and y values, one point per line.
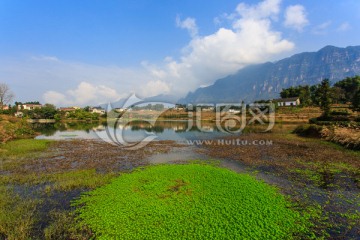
12	128
349	137
189	201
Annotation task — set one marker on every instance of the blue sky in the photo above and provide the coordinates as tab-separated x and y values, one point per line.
90	52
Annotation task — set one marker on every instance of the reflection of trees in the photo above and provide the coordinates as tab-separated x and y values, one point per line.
149	128
176	126
47	129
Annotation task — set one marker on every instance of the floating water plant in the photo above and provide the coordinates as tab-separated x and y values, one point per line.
191	201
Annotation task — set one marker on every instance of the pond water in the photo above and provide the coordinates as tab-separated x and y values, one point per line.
139	130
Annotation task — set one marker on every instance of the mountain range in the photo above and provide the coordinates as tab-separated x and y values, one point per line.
265	81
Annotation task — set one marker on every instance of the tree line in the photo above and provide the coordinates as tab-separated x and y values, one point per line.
323	94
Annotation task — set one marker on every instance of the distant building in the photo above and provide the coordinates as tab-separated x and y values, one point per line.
4	107
234	111
29	106
119	110
98	110
287	102
67	109
19	114
207	109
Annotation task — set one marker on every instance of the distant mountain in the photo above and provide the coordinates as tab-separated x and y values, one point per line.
166	100
264	81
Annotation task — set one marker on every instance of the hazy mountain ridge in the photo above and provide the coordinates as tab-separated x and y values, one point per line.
263	81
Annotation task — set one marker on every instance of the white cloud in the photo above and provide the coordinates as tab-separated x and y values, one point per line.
84	94
322	28
56	98
188	24
154	88
45	58
344	27
295	17
265	9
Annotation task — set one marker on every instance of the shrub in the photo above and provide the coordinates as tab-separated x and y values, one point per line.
308	130
340	113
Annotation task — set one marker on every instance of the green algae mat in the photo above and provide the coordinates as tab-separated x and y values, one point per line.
191	201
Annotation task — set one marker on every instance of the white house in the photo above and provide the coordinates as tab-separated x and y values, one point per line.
234	111
29	106
119	110
288	102
19	114
98	110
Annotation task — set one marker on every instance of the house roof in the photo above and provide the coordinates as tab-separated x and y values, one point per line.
67	109
286	99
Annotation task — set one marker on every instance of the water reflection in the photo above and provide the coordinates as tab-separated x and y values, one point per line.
137	130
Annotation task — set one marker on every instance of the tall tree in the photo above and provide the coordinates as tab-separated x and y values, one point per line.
6	95
324	93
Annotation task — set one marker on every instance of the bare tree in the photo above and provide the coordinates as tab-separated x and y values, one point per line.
6	95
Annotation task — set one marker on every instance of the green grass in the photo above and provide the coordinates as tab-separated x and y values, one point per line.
17	215
189	202
61	181
23	147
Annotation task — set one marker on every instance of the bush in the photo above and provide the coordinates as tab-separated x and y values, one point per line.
340	113
308	130
9	131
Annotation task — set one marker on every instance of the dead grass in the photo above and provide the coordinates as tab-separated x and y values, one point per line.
348	137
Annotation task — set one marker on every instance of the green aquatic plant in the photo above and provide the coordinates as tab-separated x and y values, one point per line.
190	201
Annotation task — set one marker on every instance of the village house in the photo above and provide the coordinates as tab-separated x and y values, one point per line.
119	110
98	110
207	109
234	111
287	102
29	106
4	107
19	114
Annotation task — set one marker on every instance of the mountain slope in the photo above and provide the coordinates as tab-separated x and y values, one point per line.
266	80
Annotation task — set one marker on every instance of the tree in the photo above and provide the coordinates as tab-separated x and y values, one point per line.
324	93
6	95
350	86
303	92
305	96
356	101
338	95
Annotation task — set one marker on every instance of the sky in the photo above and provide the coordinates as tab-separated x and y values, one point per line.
79	53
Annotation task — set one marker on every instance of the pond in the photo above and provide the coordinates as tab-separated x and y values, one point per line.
139	130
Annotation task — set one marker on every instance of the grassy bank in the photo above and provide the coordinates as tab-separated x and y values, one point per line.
190	202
